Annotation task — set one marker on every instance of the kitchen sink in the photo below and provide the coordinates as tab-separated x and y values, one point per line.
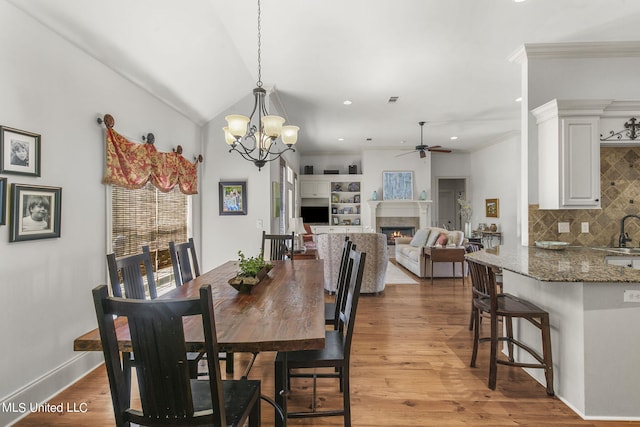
627	251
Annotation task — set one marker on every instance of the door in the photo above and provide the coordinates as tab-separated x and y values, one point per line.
449	191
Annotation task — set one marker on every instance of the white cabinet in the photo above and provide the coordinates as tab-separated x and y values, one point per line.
314	188
569	154
324	229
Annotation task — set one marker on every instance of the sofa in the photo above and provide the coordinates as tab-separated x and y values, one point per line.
330	246
410	252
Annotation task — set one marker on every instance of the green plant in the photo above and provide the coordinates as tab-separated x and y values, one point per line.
249	267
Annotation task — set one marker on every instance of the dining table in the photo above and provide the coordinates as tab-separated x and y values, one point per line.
284	312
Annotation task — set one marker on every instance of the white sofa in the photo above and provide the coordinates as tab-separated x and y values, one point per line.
410	253
375	267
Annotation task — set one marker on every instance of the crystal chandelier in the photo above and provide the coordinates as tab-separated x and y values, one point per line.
259	136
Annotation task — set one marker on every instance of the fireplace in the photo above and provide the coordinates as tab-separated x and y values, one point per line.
394	231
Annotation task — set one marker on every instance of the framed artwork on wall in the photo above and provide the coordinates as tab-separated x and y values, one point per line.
232	197
397	185
35	212
3	201
492	207
19	152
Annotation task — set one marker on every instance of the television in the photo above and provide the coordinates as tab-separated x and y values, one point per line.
315	214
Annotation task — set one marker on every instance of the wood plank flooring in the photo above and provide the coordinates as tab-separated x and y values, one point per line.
410	367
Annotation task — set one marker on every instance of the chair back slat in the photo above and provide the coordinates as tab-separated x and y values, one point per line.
184	261
343	277
352	296
157	338
129	272
279	245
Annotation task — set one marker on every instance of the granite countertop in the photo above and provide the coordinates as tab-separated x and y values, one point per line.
573	264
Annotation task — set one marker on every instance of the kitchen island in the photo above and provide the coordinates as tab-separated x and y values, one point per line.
595	332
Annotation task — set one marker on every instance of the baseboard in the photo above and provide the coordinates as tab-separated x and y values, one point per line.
27	399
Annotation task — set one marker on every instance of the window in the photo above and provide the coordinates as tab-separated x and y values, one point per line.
149	217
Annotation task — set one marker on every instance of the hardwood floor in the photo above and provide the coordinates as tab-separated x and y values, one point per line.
410	367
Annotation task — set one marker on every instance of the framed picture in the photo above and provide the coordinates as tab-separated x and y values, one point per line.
35	212
397	185
19	152
492	207
356	198
3	201
232	197
336	220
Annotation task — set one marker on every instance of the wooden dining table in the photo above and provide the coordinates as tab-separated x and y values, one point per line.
284	312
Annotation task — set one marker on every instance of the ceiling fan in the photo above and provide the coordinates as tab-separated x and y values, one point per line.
422	148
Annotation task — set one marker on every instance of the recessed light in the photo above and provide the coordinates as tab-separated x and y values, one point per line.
340	139
519	1
519	99
347	102
453	138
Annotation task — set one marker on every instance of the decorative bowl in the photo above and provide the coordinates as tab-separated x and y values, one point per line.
244	284
554	246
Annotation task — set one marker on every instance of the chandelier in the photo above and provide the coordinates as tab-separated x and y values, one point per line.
259	135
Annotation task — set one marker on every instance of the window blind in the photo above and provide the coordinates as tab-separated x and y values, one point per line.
148	216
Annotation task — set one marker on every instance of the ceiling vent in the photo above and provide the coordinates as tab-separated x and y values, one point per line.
392	100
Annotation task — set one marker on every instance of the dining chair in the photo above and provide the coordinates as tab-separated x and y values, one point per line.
487	299
184	261
168	395
470	248
280	245
336	353
332	309
129	272
185	268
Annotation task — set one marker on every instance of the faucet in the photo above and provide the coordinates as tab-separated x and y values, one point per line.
624	237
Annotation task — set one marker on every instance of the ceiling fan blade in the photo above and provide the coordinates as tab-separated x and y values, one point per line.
433	146
439	150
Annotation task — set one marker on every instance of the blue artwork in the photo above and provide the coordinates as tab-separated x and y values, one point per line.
397	185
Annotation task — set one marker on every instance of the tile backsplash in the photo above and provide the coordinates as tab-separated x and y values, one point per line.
620	195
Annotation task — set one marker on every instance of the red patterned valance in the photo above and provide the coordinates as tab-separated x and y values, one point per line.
132	165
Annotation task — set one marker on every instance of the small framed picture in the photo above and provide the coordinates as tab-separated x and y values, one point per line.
35	212
19	152
336	220
356	198
3	201
232	197
492	208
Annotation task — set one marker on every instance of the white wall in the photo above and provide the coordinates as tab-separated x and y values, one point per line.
495	172
51	88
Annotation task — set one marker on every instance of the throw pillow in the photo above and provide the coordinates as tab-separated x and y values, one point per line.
442	239
420	238
432	238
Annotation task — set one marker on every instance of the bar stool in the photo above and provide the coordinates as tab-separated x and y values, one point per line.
486	299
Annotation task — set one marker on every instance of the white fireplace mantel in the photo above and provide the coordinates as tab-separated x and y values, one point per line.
421	205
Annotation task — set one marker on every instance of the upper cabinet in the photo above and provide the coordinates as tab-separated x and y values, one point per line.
569	154
315	187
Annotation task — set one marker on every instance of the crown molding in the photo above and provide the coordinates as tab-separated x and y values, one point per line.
621	49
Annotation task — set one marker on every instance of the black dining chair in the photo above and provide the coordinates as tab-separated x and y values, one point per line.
184	261
185	268
487	299
168	395
336	353
128	273
332	309
279	245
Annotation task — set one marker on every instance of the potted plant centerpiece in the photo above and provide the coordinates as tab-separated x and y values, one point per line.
252	270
